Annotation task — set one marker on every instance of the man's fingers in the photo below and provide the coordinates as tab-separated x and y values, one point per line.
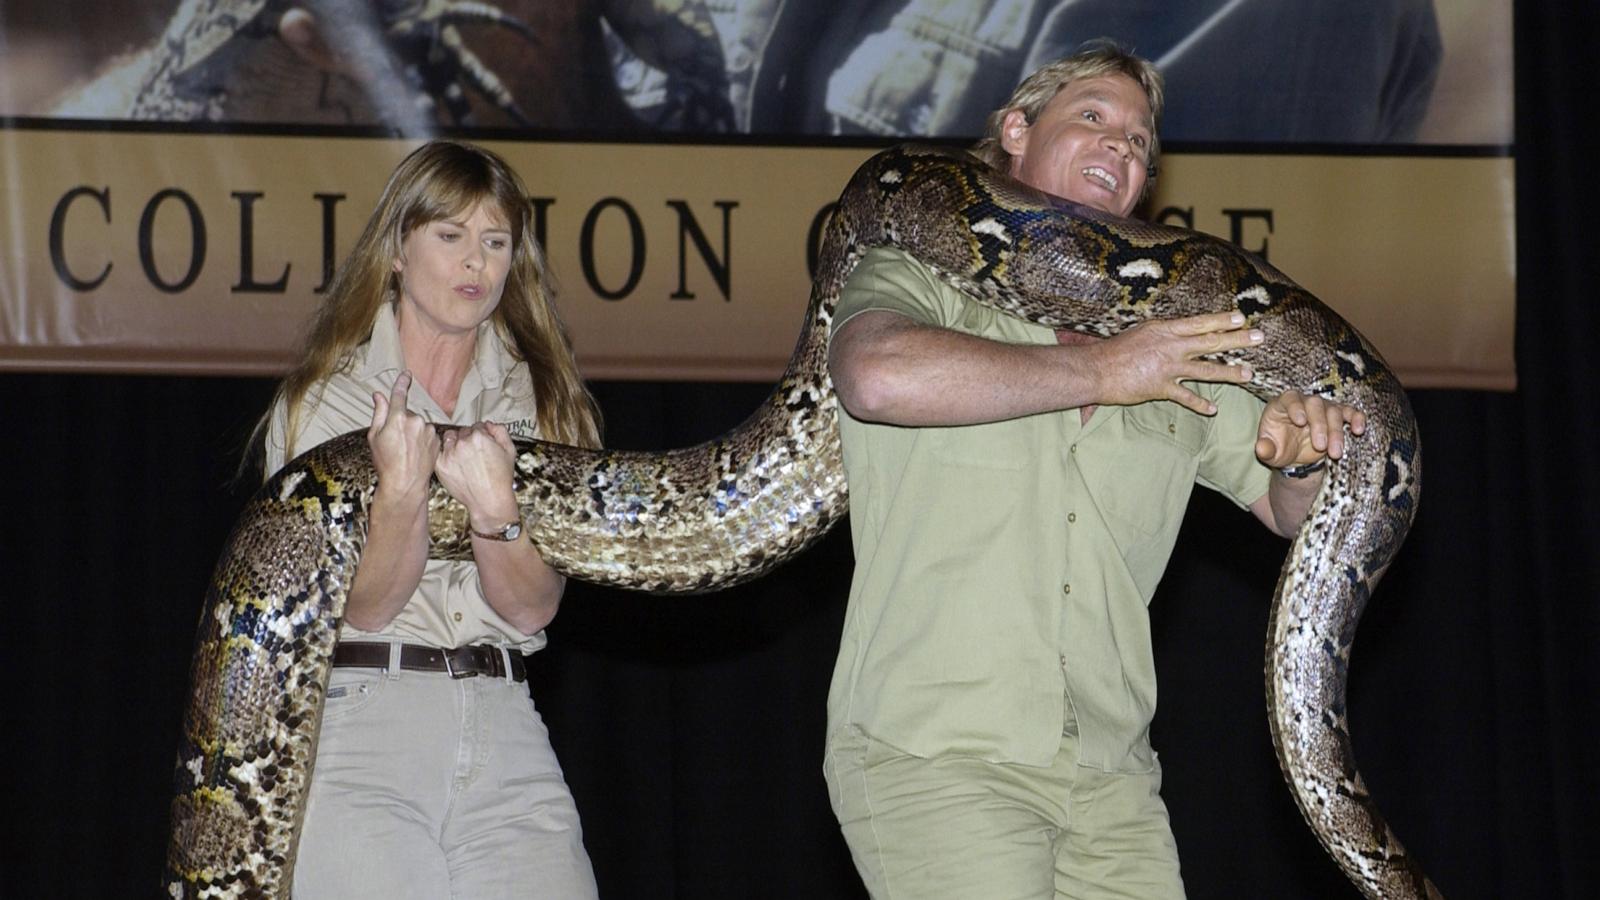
1301	428
1216	373
1223	341
1293	406
1335	421
1267	450
1207	323
1319	433
1216	332
1202	335
1184	396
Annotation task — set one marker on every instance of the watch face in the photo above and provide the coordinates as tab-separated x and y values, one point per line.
512	531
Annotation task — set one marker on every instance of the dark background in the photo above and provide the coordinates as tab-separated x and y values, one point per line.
691	728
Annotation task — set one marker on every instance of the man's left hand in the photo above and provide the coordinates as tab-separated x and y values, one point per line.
1300	429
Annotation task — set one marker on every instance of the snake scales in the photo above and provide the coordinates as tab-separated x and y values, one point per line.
726	511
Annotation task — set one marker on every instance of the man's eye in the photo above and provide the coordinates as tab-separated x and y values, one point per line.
1091	115
1137	140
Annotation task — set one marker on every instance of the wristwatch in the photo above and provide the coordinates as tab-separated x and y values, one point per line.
507	532
1304	471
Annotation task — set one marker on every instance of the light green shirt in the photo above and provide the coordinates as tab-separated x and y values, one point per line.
1003	571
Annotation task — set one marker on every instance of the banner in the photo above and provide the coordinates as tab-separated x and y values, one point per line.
181	177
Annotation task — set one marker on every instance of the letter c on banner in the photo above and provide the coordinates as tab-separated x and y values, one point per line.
58	227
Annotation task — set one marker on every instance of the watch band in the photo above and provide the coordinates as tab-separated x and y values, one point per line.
507	532
1304	471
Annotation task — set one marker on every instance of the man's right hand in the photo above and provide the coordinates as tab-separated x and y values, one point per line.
1150	360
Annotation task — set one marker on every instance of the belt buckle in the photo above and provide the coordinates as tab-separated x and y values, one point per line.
450	669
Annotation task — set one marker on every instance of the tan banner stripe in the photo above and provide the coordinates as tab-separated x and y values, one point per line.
204	253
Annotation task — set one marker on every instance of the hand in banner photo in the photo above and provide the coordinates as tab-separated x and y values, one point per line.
1361	72
412	67
1356	72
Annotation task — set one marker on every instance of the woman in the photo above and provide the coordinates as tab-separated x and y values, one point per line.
428	782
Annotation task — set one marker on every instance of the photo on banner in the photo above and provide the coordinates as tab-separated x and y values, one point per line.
195	165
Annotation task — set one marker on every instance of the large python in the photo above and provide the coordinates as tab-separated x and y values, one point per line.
729	510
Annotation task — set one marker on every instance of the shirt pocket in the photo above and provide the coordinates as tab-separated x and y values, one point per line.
1142	486
1170	424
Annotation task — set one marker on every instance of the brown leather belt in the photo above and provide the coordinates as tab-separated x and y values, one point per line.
460	662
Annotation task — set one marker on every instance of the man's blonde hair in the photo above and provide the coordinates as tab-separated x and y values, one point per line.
1095	59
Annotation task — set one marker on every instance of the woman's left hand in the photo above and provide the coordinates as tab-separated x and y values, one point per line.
475	465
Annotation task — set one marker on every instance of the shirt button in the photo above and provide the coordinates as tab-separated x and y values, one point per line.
1072	517
1066	589
1172	428
1073	448
458	617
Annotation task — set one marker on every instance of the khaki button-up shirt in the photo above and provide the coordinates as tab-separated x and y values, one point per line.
1003	571
448	608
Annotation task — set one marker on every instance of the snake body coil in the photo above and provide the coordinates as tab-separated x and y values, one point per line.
731	509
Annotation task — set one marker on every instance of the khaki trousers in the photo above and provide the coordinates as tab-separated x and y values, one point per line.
961	828
430	787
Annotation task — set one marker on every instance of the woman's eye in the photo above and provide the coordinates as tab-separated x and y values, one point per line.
498	243
1137	140
1091	115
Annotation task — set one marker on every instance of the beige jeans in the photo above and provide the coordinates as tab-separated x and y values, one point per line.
434	788
958	827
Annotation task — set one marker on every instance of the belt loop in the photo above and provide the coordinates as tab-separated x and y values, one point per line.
505	660
393	671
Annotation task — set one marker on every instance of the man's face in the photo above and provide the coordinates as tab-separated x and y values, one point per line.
1090	144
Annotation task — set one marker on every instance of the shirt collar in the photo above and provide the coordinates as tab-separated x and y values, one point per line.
382	351
490	362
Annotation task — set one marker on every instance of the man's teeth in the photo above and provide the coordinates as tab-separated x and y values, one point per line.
1102	175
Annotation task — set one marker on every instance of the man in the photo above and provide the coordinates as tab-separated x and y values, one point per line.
1015	495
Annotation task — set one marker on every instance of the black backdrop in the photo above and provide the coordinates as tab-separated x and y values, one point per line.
691	728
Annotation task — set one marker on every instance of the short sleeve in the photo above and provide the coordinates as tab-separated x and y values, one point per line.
891	280
1228	463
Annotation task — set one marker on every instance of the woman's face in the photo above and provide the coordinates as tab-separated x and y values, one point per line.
452	271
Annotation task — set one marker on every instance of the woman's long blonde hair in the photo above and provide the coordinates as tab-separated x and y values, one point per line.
441	180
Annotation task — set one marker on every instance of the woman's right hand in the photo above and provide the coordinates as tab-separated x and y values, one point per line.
404	445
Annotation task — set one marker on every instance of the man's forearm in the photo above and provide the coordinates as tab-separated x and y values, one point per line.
889	369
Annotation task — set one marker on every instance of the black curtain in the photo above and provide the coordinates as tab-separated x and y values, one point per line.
691	728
